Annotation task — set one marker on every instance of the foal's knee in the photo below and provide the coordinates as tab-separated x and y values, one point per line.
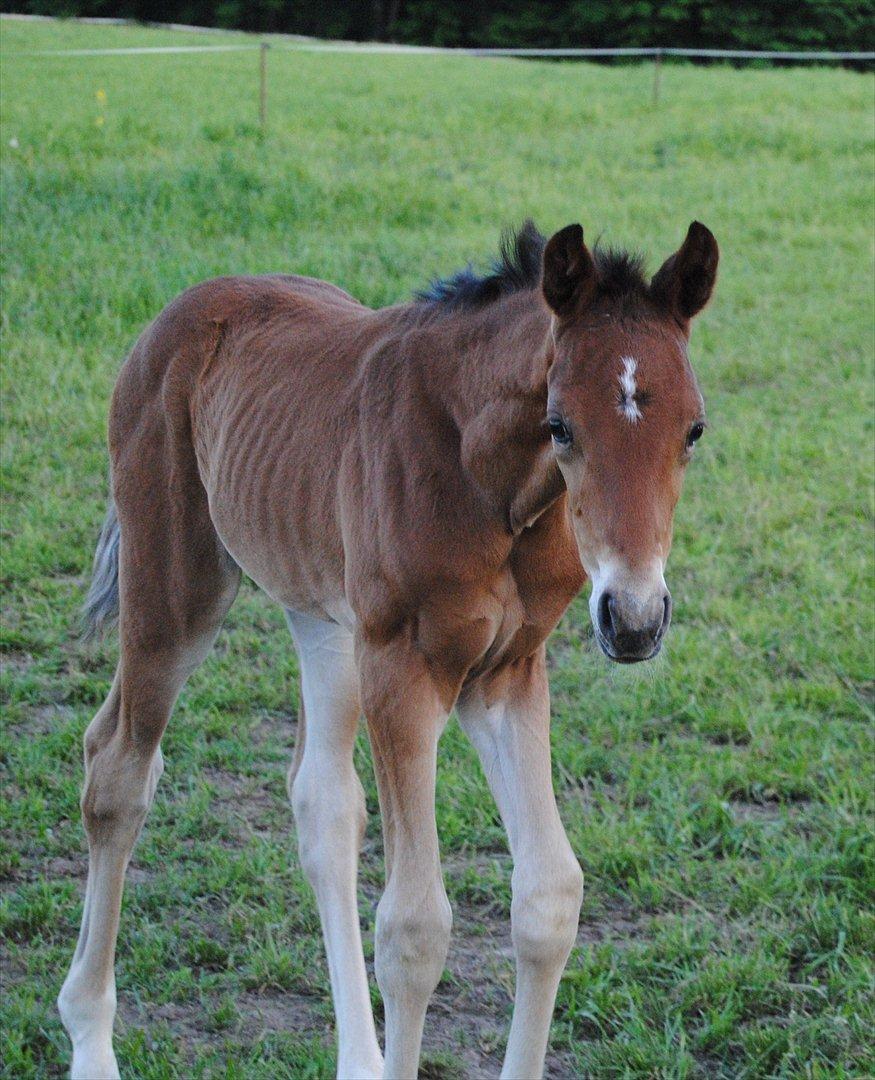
545	913
412	939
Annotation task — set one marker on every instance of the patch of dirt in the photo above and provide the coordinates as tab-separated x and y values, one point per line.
744	810
43	720
249	799
276	727
253	806
18	663
66	866
620	930
12	971
272	1011
255	1015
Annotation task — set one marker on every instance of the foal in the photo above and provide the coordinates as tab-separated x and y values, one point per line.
424	489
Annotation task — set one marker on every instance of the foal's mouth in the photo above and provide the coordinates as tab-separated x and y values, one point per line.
625	658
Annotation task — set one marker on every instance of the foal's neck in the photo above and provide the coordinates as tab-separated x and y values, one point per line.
496	391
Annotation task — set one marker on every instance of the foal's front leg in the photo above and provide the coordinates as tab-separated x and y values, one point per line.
508	720
405	718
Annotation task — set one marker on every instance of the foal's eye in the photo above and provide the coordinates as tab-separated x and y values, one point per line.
695	433
559	431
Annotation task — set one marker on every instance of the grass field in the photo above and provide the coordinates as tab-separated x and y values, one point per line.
720	802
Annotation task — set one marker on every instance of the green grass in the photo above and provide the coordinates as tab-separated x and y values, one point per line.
720	802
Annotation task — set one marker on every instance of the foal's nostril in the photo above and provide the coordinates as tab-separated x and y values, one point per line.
606	616
666	615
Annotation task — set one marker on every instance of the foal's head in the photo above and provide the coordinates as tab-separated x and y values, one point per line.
625	413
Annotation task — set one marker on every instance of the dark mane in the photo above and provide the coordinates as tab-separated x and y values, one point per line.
518	267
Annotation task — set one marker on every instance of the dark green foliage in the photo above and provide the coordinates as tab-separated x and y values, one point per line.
744	24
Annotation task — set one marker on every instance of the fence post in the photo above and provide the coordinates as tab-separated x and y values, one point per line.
262	95
657	75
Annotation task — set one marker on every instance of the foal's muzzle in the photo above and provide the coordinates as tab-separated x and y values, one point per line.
628	630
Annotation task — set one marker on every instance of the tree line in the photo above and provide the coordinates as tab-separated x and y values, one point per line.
742	24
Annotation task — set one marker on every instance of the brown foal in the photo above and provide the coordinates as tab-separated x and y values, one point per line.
424	489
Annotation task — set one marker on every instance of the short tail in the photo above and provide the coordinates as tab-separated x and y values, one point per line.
100	611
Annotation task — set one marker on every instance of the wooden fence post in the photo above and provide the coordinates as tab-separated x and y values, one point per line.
262	95
657	75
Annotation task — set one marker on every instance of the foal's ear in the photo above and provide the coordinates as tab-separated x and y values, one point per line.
569	271
684	282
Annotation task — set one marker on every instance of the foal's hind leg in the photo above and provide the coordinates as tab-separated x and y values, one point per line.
176	585
329	807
